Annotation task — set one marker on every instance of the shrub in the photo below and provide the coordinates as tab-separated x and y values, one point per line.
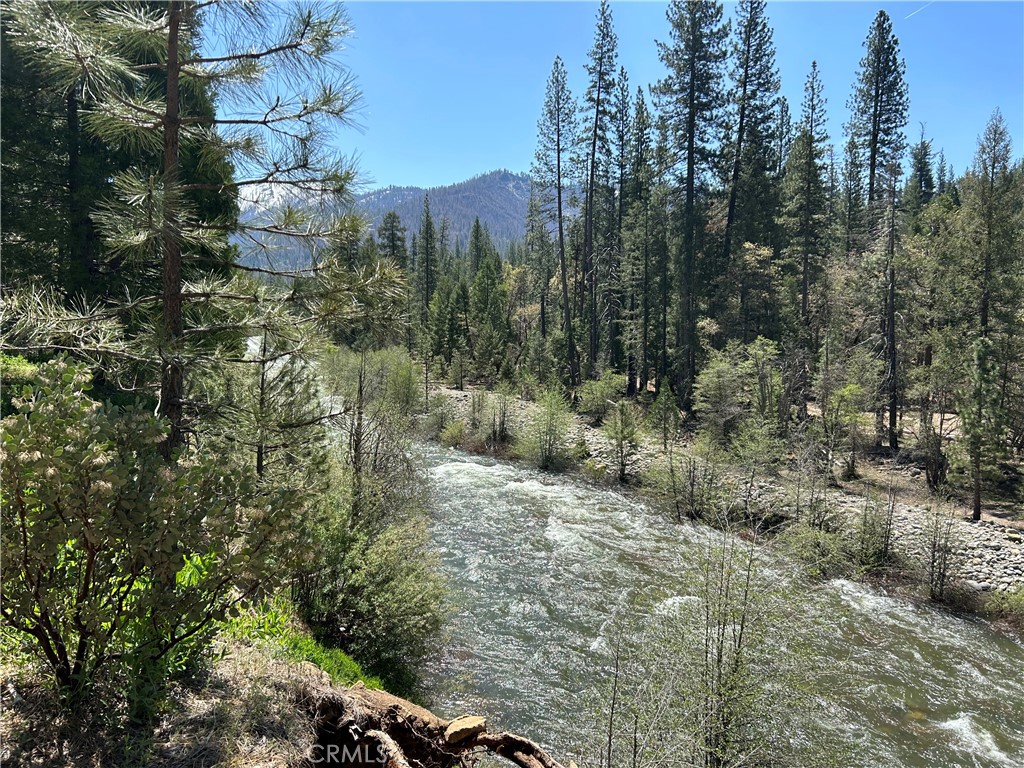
689	488
663	418
442	413
623	429
454	434
821	552
942	552
598	397
1008	604
545	440
720	396
379	596
500	432
15	372
122	559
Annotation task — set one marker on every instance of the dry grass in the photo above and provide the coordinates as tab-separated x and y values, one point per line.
245	710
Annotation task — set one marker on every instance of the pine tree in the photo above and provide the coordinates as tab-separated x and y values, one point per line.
487	316
691	100
539	256
556	137
754	105
992	225
391	239
616	301
426	259
804	191
144	75
479	246
879	106
920	186
599	103
853	195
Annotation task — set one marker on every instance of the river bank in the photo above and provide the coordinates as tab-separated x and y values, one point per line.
986	558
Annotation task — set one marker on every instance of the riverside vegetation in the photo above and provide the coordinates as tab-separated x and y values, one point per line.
206	464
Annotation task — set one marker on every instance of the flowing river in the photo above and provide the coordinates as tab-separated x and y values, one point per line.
538	564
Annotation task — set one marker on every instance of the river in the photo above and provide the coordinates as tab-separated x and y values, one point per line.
539	562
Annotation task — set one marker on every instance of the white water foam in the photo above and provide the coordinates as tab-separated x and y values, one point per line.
976	739
674	605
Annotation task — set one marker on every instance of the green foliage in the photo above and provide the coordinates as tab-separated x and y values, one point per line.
941	551
454	434
377	594
500	429
739	393
689	487
663	417
274	623
873	535
545	438
15	372
124	560
1008	604
846	390
441	414
343	669
391	377
720	669
622	428
982	417
822	553
372	585
597	397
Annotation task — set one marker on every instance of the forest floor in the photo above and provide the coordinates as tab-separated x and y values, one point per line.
246	708
989	555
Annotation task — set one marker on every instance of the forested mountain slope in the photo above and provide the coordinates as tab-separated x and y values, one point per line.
498	198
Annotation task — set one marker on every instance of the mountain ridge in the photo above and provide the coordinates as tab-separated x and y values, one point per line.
499	198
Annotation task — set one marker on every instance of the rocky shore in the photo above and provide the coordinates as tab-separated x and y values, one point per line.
988	556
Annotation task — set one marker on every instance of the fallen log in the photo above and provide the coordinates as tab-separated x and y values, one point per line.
363	728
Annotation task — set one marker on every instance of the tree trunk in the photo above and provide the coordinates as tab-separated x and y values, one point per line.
78	207
172	374
570	342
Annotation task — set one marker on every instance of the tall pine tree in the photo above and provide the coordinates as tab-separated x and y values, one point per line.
691	101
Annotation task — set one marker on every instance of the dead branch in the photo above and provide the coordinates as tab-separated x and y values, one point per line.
405	734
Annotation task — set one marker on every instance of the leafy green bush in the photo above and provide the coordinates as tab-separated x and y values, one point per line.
454	434
442	413
500	432
689	488
721	396
377	595
122	560
1009	604
598	397
15	372
622	428
822	553
545	438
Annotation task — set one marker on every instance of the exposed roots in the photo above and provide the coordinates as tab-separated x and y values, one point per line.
362	727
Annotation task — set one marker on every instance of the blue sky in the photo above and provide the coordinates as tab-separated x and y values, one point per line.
453	89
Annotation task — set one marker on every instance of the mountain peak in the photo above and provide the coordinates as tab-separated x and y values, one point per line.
499	198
